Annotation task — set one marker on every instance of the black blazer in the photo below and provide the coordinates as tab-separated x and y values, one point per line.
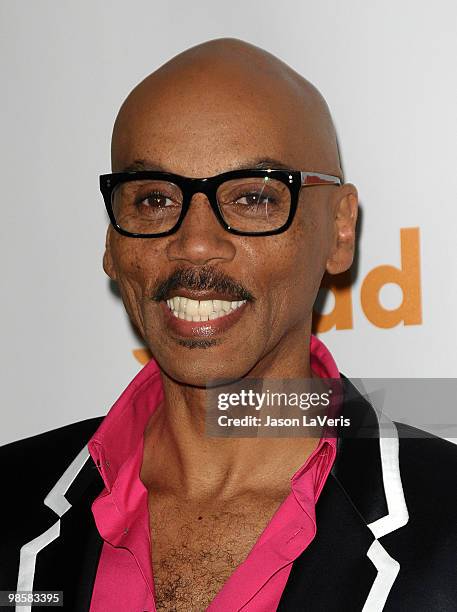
386	520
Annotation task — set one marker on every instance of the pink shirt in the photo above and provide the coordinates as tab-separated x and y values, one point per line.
124	580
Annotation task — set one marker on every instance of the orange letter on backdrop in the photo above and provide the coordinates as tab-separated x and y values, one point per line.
407	277
341	315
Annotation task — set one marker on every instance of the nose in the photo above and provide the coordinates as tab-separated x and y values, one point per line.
201	239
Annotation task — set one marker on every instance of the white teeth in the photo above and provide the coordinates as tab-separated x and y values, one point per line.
192	307
201	310
205	308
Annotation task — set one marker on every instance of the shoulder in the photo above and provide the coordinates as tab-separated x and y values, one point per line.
426	452
67	437
39	460
29	470
428	468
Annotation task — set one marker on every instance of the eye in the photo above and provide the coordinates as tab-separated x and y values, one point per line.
155	199
254	198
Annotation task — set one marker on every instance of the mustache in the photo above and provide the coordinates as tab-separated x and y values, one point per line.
206	278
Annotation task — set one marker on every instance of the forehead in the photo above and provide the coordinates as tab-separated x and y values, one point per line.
200	122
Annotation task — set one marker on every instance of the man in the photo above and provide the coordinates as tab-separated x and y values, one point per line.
142	510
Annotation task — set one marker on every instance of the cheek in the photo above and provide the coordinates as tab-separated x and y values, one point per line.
137	271
312	237
297	264
134	264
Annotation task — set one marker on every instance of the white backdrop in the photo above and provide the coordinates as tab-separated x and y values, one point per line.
388	72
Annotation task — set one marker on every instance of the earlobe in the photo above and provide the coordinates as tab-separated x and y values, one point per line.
108	264
345	220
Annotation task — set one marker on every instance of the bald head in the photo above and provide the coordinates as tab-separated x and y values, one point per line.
219	105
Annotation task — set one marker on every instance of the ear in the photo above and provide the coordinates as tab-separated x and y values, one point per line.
108	264
345	218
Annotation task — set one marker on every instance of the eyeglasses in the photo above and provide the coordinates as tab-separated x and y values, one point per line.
149	204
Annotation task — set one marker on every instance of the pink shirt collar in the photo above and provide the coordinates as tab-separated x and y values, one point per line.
121	429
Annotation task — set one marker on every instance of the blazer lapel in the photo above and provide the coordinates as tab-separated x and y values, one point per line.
65	556
333	573
346	567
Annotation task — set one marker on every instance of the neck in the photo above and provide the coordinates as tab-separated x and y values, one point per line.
180	460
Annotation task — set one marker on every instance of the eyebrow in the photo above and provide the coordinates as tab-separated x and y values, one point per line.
262	163
142	164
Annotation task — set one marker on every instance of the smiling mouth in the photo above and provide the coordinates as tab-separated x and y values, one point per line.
201	310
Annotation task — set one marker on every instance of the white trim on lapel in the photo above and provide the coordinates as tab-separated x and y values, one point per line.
388	570
28	557
397	516
397	512
57	501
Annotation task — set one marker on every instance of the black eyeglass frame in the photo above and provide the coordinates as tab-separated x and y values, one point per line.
293	179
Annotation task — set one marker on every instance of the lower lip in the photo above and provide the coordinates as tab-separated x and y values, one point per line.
205	329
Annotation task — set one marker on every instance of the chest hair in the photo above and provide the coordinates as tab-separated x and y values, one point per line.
195	551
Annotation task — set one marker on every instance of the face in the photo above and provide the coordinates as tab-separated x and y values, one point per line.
200	131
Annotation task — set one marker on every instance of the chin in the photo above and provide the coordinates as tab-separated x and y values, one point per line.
201	374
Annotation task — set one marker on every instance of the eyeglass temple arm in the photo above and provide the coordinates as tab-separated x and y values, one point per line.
315	178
